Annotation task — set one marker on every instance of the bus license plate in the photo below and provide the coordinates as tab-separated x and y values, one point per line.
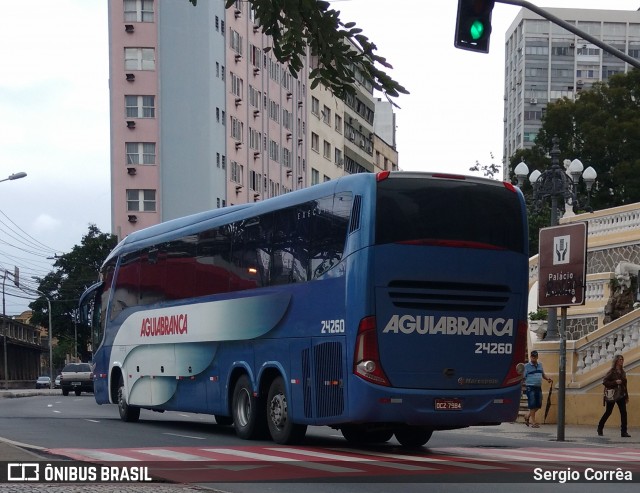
448	404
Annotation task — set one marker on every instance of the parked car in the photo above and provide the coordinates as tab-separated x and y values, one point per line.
56	382
43	382
77	377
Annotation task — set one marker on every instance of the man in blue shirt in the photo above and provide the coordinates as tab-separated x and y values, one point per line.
533	375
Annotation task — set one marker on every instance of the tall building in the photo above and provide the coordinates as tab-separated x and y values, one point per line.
545	62
203	116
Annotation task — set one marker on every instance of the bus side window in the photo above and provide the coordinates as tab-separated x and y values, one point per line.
127	285
329	233
288	247
213	261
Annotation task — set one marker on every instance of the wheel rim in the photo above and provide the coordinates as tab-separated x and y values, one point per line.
243	407
278	410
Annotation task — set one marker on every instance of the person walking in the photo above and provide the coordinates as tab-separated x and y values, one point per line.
616	380
533	375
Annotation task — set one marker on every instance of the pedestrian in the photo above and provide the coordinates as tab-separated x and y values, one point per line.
616	380
533	375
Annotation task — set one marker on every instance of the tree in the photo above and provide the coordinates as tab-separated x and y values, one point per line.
488	170
73	272
295	25
602	129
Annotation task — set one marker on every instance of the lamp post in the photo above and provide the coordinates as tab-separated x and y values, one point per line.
15	176
557	184
4	333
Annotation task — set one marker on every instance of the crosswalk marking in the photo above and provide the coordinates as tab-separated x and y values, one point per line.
434	460
288	460
173	455
347	458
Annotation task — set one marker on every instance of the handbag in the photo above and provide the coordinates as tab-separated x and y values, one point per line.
613	395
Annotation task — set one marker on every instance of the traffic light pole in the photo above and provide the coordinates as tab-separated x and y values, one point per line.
573	29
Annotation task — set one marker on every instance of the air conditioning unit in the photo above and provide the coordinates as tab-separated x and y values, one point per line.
129	28
133	218
533	101
238	57
131	124
237	13
131	170
256	70
238	101
131	77
238	145
256	113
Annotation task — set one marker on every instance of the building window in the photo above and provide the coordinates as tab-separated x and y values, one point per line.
140	106
236	85
139	59
315	106
236	172
315	142
138	10
338	124
236	42
141	200
326	115
141	152
315	176
326	149
338	156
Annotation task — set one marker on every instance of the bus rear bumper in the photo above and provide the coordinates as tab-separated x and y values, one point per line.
434	408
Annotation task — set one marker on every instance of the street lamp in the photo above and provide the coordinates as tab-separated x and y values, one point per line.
15	176
557	184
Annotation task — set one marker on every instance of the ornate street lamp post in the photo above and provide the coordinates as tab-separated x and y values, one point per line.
561	186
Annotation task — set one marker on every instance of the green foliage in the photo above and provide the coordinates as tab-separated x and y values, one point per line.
602	129
73	272
539	314
488	170
295	25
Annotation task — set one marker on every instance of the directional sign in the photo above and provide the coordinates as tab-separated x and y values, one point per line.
562	265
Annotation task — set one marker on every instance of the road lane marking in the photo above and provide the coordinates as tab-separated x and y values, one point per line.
434	460
184	436
172	454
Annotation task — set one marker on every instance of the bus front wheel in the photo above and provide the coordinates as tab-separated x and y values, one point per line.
282	429
247	411
413	436
127	413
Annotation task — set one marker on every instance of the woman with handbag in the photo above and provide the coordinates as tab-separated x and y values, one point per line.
615	392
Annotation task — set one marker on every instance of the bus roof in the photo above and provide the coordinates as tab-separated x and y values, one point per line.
190	224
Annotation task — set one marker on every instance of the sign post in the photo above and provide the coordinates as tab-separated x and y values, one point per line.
562	274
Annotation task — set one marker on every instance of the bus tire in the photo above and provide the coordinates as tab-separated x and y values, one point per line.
247	411
413	436
78	392
223	420
282	429
359	435
65	392
128	413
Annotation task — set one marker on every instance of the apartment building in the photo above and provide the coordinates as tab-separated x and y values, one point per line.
203	117
544	62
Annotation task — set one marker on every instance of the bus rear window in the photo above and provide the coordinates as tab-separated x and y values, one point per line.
449	212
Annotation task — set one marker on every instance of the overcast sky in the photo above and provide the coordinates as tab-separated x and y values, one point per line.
54	117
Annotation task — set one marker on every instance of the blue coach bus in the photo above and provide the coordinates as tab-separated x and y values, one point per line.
378	304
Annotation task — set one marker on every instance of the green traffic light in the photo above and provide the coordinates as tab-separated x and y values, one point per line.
476	30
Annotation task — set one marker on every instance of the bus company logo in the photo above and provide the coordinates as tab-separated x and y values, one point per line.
164	326
23	471
460	326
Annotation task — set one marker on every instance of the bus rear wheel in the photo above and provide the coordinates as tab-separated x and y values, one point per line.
128	413
282	429
247	411
413	436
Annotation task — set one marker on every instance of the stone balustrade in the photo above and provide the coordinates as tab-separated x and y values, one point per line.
623	336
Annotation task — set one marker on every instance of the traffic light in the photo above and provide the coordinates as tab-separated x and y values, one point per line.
473	25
